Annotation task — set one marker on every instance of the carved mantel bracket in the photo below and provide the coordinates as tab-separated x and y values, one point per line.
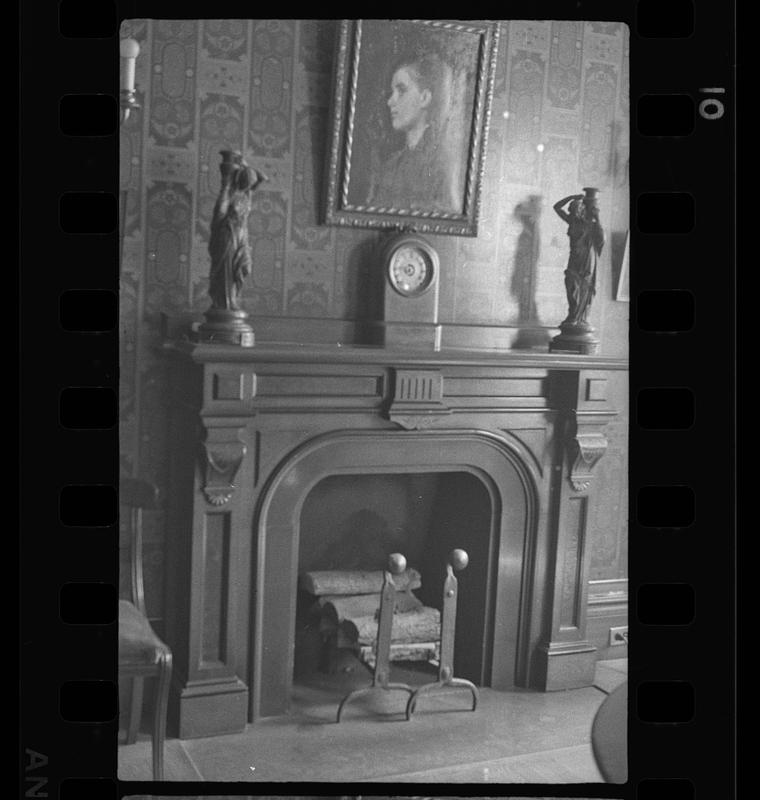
417	398
224	453
585	448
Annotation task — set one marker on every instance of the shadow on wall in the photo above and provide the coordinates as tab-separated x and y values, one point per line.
524	274
365	543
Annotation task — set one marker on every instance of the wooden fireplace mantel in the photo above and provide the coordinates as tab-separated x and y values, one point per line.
297	353
253	428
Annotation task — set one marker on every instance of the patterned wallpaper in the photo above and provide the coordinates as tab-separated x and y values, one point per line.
559	122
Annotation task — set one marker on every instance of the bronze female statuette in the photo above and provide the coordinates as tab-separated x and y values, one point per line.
230	253
586	243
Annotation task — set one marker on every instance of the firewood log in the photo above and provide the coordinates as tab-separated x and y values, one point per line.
339	607
417	651
350	582
416	626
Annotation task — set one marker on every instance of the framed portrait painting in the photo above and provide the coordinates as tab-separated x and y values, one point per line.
411	110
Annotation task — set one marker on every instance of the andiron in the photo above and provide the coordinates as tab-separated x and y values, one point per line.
458	560
380	682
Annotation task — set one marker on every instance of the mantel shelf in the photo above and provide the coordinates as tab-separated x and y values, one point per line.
294	353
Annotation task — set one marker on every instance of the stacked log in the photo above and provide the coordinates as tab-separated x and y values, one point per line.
336	608
354	581
347	607
423	625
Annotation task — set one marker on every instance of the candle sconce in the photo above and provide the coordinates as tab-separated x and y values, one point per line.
126	103
129	50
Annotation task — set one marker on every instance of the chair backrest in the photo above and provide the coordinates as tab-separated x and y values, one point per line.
137	495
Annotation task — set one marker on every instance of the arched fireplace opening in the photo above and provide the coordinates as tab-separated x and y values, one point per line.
351	523
479	495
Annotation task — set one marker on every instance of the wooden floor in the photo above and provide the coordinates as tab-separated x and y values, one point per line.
513	737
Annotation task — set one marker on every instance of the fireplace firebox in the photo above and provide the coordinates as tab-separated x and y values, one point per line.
491	453
353	522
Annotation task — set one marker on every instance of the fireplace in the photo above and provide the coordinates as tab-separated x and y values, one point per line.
283	456
355	521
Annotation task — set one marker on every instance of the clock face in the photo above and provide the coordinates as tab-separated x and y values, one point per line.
410	270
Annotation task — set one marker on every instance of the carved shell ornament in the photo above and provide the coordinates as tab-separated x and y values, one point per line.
218	496
223	459
585	451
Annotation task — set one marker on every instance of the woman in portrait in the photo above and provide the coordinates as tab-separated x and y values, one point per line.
421	173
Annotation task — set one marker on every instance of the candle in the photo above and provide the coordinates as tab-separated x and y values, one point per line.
129	51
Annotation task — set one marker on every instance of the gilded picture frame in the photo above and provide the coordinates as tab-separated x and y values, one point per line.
410	119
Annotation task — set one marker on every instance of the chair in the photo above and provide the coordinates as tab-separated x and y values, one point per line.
141	653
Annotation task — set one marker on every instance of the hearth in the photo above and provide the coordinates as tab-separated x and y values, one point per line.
498	501
293	458
354	522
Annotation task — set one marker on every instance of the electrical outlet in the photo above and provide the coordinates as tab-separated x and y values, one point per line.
618	636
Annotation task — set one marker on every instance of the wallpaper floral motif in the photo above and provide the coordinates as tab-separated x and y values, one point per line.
559	122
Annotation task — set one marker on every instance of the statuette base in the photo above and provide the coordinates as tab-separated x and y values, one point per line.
226	326
578	338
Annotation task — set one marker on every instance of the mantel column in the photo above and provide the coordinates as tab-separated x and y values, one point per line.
564	658
210	474
208	697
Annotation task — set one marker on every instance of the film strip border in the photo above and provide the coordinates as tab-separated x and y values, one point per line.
682	291
683	397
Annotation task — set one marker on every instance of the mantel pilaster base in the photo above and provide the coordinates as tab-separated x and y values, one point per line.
564	666
208	709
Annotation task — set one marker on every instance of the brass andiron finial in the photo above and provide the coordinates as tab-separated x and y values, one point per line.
380	682
230	252
458	560
586	243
